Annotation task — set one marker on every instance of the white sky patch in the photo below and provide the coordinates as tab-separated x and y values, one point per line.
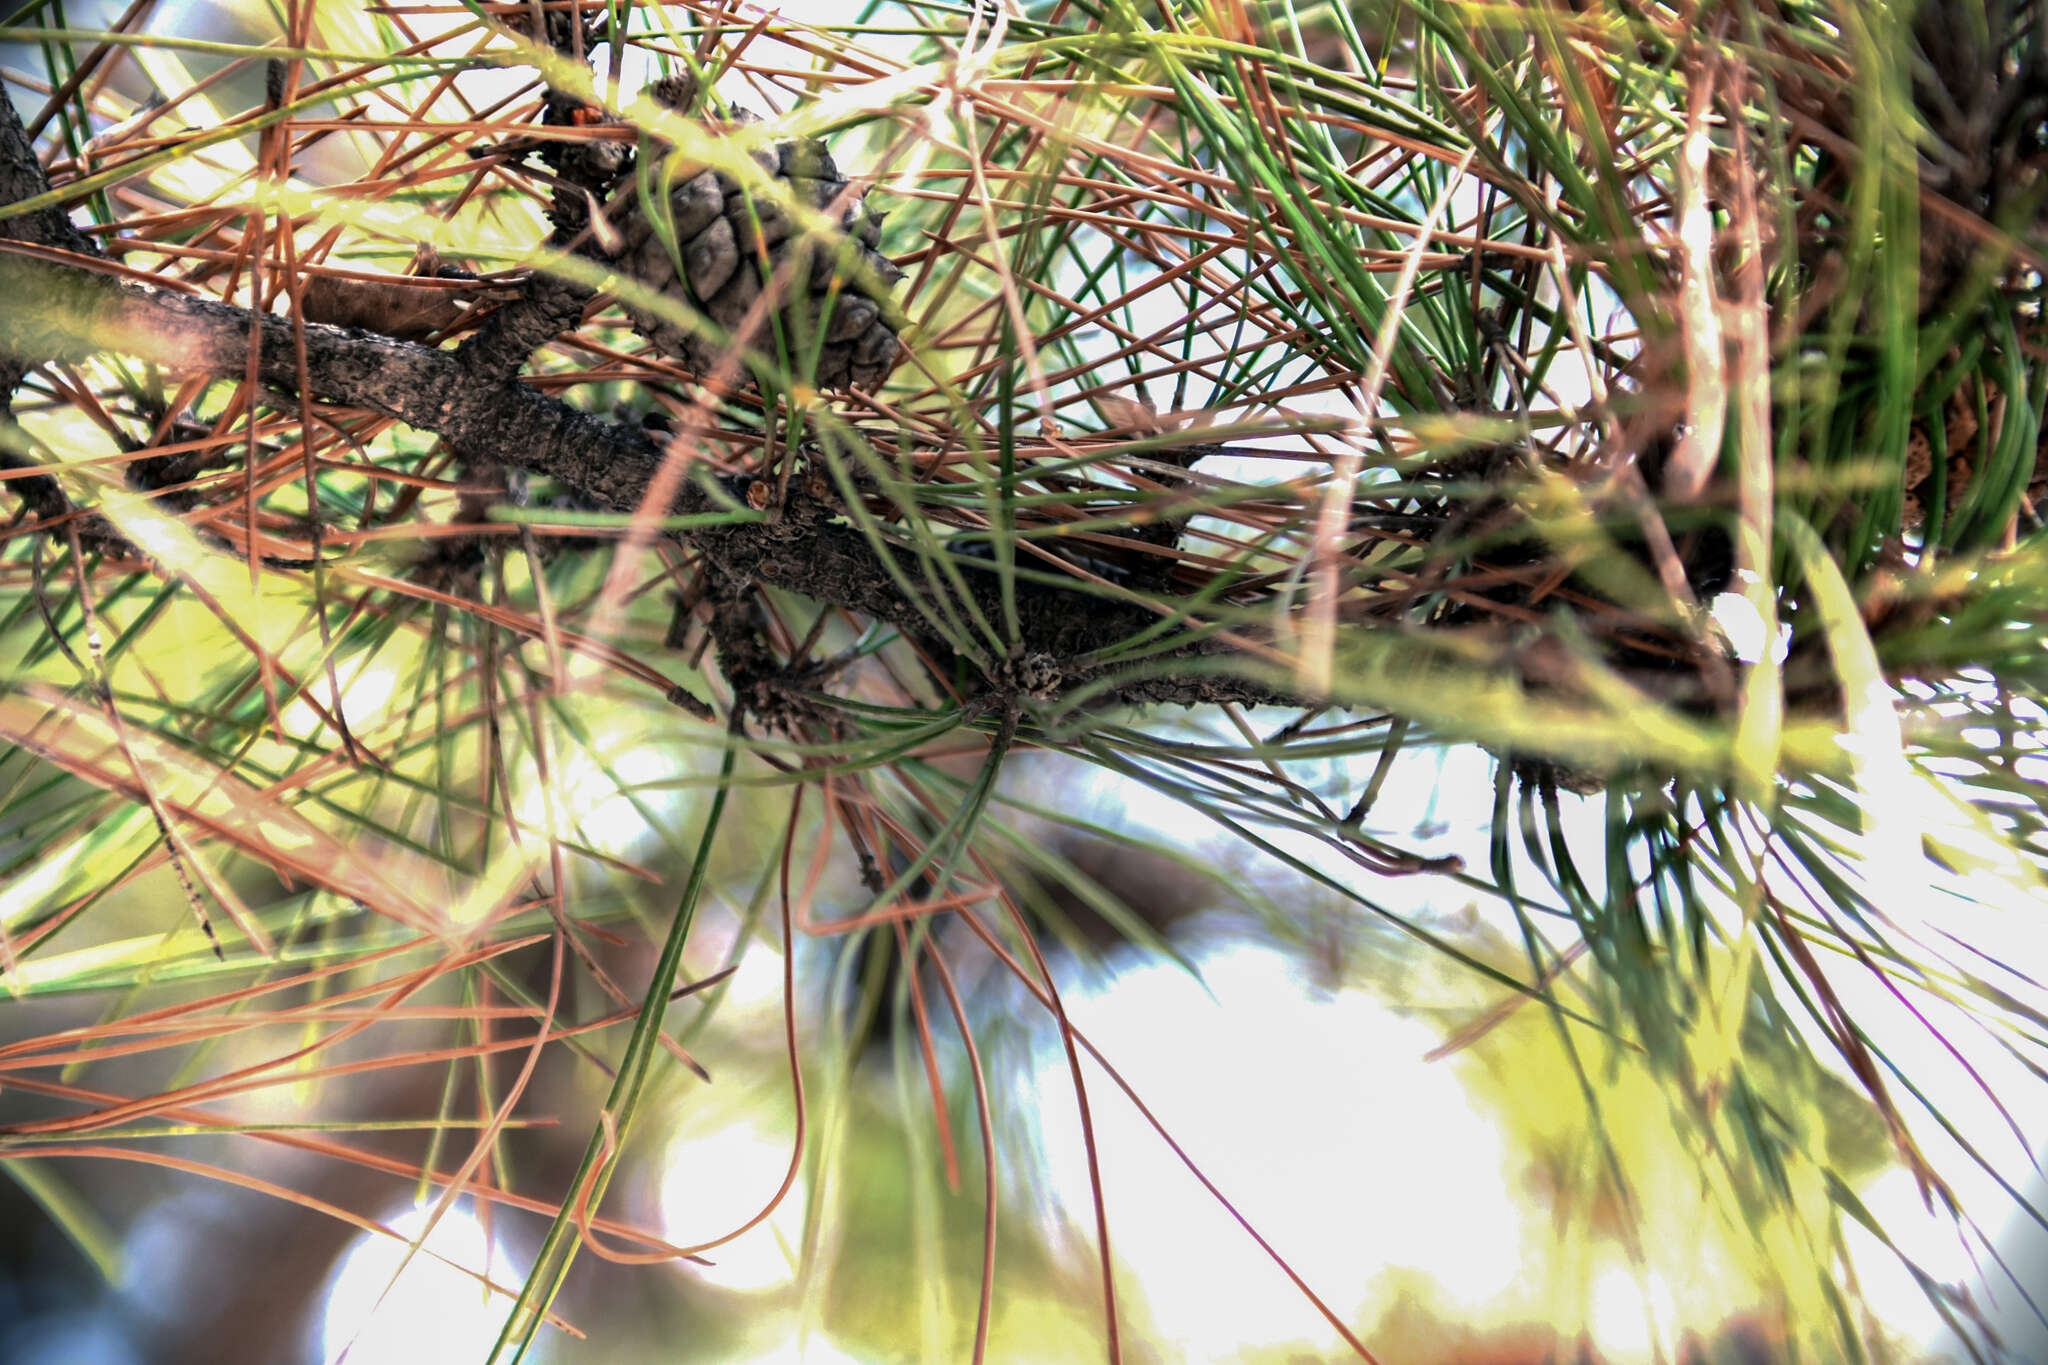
366	693
597	799
713	1181
1635	1319
1930	1239
1743	627
1316	1115
432	1312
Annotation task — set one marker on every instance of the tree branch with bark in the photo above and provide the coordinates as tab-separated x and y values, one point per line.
67	312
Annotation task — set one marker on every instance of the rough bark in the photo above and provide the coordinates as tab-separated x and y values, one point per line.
21	177
66	313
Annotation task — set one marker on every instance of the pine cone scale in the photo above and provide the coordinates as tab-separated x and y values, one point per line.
733	240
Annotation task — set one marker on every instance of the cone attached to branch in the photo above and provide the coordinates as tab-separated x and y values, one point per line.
805	238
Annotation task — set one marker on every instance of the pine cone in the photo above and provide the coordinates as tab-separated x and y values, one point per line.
733	245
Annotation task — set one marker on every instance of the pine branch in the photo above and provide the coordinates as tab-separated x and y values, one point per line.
21	177
68	313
